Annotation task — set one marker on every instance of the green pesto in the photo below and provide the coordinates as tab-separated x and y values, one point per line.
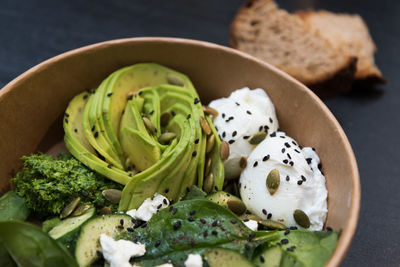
48	184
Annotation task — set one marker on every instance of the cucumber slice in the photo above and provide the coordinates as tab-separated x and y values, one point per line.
88	243
270	257
69	225
219	257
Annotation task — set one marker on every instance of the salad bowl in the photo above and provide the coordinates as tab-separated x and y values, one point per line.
33	104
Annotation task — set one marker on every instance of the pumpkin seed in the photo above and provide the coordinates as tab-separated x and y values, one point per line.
164	118
175	80
273	181
204	125
210	111
210	143
112	195
224	150
236	206
257	138
272	225
208	183
208	166
243	162
301	218
81	209
165	138
149	125
105	210
70	208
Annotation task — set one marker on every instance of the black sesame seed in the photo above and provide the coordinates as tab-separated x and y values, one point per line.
285	161
291	163
84	193
205	233
120	227
170	208
85	96
287	231
177	225
237	104
109	166
319	166
223	115
297	151
121	222
158	242
166	190
76	130
230	118
109	94
293	228
188	116
223	134
294	143
313	149
282	136
251	236
248	212
214	232
129	229
192	212
99	254
130	174
299	182
265	158
266	128
66	120
262	259
234	133
173	113
255	164
269	215
216	188
288	155
309	160
231	141
246	137
284	241
287	178
144	225
96	134
303	178
196	100
270	120
93	127
174	210
191	219
248	112
151	112
196	141
264	211
203	221
194	153
329	229
233	221
246	220
159	206
283	150
260	128
273	134
287	144
214	223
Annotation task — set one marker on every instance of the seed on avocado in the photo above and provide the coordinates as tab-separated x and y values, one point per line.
224	150
149	125
165	138
236	206
208	183
204	125
272	225
112	195
70	208
273	181
164	118
243	162
257	138
301	218
210	111
210	143
81	209
175	80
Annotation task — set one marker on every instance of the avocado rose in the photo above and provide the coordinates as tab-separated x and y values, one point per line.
144	127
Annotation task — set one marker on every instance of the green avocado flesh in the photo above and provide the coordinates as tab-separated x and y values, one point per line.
119	130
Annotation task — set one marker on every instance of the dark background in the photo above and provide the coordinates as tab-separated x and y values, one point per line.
33	31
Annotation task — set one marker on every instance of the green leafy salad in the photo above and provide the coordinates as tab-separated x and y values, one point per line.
154	178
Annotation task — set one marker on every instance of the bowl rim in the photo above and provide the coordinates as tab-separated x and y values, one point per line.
348	232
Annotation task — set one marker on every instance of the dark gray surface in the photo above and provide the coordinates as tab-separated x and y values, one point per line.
32	31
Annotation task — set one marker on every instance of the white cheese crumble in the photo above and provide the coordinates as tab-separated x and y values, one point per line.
194	260
149	207
165	265
253	225
118	253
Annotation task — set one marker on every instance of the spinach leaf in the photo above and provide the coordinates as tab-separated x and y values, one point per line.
312	249
29	246
195	193
193	226
5	258
13	207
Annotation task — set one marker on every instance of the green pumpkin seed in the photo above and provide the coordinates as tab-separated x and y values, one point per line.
164	118
70	208
208	166
208	183
210	111
243	162
301	218
204	125
224	150
165	138
236	206
105	210
81	209
112	195
175	80
273	181
257	138
149	125
272	225
210	143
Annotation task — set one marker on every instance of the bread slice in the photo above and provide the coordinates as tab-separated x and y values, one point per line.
348	34
284	40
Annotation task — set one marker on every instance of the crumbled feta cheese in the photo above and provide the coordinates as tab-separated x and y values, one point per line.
118	253
149	207
194	260
253	225
165	265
